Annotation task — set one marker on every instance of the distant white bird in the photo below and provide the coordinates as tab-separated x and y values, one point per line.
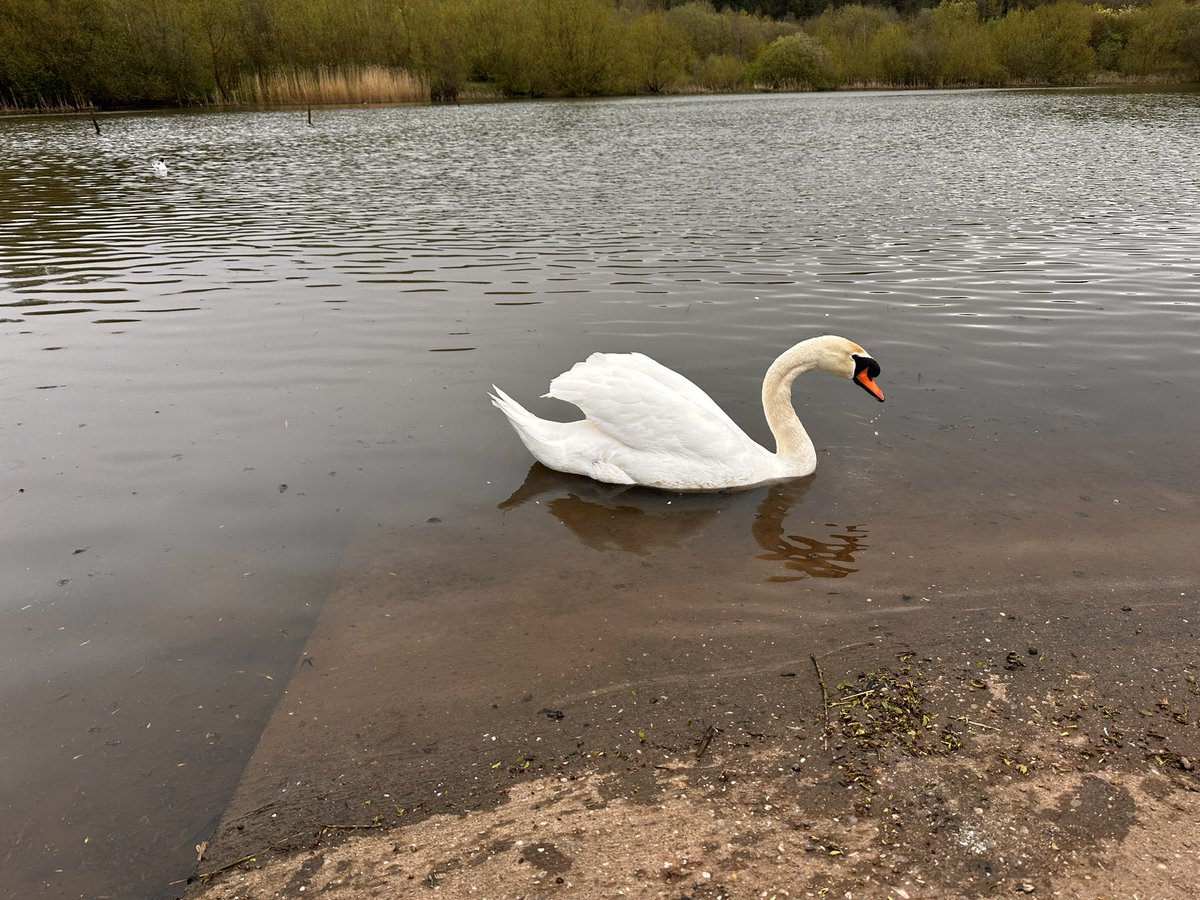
646	424
160	167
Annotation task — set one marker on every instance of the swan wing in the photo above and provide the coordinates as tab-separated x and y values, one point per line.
651	409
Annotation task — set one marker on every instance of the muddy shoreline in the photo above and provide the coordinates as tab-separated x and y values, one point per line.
602	726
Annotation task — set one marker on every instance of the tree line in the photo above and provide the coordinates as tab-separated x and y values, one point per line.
124	53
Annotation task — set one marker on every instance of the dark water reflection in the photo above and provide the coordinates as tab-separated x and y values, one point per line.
324	307
639	521
832	555
614	517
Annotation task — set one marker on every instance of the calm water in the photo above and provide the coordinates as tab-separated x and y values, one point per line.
211	380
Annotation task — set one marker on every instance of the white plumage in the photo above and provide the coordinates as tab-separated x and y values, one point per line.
646	424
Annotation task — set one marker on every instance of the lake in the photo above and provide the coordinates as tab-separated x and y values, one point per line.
216	379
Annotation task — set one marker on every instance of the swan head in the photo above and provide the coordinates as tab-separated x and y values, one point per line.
849	360
866	370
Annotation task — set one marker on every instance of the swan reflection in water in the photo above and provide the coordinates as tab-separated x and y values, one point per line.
639	520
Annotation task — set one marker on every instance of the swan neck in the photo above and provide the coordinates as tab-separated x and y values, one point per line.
791	440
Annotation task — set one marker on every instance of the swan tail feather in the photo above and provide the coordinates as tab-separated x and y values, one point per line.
529	428
505	403
575	447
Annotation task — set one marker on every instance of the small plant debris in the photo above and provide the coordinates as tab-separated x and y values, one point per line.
886	710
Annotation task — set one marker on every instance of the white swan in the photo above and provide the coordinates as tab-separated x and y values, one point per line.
648	425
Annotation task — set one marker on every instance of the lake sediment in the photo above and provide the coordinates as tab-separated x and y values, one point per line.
1013	714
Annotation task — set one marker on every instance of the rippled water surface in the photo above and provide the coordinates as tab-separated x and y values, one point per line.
212	379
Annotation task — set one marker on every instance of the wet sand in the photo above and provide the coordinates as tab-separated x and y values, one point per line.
614	706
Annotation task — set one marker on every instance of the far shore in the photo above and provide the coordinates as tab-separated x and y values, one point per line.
483	94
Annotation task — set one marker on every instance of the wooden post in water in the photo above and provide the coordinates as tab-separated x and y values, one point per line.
310	114
95	121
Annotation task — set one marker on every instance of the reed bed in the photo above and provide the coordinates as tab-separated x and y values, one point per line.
331	85
11	106
480	92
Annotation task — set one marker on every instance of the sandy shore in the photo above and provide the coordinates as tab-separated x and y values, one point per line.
1020	718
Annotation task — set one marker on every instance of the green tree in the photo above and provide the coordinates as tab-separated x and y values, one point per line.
1155	34
794	62
746	35
721	72
575	42
437	45
701	26
55	45
1189	39
865	43
1048	44
1110	34
312	33
893	47
500	47
656	53
220	26
152	51
952	48
24	77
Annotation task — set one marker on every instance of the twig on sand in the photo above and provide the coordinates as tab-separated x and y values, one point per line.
846	697
824	702
221	870
705	740
976	724
322	832
329	829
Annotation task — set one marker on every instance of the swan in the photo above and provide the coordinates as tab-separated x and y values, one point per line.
647	424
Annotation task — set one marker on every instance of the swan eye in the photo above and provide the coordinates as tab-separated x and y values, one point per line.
865	363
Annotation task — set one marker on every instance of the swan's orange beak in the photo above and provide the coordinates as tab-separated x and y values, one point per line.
868	384
866	370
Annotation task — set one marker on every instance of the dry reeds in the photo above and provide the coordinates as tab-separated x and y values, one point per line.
10	105
331	85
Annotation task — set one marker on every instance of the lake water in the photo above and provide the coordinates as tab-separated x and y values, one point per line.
212	379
